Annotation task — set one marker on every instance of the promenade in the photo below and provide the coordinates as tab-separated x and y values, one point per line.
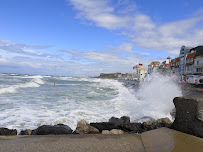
158	140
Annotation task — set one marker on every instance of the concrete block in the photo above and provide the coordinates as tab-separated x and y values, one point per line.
188	117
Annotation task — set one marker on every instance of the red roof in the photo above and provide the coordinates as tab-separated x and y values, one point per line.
177	59
192	55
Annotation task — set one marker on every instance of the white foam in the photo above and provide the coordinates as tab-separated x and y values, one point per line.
153	99
14	88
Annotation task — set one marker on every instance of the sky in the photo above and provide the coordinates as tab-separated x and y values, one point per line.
89	37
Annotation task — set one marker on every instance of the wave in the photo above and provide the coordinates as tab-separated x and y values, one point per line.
14	88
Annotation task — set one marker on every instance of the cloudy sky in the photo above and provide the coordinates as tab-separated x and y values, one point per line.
88	37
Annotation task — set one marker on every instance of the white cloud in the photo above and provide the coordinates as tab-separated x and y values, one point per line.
140	28
100	13
30	50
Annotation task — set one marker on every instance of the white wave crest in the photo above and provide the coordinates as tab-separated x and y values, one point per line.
14	88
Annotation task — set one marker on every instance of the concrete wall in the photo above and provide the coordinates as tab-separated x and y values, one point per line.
189	115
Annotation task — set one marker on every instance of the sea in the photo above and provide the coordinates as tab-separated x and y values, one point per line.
29	101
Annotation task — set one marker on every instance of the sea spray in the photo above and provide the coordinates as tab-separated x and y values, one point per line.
155	97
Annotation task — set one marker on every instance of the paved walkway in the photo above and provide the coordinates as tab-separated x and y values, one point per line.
159	140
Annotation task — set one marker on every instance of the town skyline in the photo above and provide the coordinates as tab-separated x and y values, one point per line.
89	37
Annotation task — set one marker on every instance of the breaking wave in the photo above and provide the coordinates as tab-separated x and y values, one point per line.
73	99
14	88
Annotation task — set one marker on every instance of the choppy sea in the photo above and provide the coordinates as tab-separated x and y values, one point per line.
28	101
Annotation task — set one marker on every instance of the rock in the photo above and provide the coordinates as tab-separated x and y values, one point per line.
54	130
163	122
8	132
106	132
104	126
117	121
144	119
132	127
117	131
113	131
84	128
26	132
188	115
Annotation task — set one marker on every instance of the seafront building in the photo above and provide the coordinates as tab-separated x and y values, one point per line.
188	66
140	74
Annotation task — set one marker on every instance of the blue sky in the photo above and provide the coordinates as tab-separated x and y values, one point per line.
88	37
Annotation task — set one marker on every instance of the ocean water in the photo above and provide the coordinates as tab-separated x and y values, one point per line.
28	101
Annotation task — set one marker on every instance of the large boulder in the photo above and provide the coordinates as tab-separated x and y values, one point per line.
117	132
119	121
189	115
84	128
132	127
26	132
54	130
104	126
150	125
8	132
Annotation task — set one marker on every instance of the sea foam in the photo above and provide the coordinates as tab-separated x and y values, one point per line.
14	88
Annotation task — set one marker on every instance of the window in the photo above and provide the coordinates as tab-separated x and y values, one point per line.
199	69
197	62
187	68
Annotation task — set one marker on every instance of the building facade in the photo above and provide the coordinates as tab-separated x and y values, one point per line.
188	64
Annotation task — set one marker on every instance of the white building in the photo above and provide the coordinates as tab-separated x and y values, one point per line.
141	73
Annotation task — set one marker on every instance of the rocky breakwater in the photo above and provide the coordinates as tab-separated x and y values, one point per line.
189	115
59	129
125	125
113	126
7	132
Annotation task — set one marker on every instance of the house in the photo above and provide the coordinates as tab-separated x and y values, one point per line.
173	69
177	61
141	73
189	65
198	62
153	66
182	55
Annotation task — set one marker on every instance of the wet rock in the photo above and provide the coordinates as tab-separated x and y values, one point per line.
132	127
84	128
8	132
26	132
144	119
104	126
119	121
150	125
54	130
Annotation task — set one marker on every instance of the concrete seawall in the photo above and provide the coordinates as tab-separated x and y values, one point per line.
189	115
158	140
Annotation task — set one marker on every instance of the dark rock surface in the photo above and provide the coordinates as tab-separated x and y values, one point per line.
188	118
7	132
104	126
131	127
119	121
124	124
55	130
26	132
